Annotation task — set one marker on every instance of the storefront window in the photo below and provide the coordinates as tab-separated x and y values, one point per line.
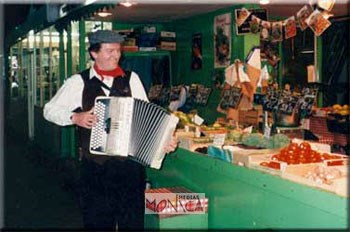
75	47
39	69
14	70
54	62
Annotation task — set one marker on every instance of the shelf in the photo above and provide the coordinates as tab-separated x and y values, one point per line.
146	53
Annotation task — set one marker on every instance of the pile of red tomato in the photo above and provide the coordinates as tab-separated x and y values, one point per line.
300	154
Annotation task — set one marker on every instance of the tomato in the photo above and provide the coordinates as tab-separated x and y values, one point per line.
276	157
293	147
326	156
292	161
266	164
302	154
335	163
274	165
305	146
283	152
312	154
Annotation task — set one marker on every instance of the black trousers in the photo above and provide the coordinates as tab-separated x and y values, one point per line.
112	194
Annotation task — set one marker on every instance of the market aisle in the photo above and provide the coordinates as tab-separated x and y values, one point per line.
34	196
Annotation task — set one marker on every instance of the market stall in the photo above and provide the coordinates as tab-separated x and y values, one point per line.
246	198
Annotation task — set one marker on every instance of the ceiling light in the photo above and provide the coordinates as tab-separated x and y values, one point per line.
126	3
264	2
104	14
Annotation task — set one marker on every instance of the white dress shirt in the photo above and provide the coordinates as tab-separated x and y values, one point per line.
69	97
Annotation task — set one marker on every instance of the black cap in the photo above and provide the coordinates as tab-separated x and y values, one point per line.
105	36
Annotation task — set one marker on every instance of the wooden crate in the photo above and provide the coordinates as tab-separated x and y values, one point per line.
251	117
300	174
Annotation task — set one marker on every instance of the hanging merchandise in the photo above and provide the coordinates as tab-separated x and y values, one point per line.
276	31
242	16
250	24
255	25
317	22
265	30
290	29
326	4
315	18
263	79
302	15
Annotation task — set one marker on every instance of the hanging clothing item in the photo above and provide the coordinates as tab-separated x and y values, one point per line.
264	76
231	73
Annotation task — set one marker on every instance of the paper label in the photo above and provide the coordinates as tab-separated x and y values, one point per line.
197	120
267	131
219	139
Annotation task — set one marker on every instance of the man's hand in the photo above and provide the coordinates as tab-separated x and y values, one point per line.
172	145
85	119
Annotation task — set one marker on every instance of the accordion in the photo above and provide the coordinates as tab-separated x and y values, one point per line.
131	128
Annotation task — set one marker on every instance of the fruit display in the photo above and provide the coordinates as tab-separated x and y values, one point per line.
235	135
329	178
341	110
323	175
302	154
184	119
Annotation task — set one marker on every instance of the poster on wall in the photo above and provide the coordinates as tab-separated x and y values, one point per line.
222	40
196	51
245	27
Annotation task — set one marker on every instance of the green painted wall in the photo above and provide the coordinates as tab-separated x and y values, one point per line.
181	58
182	72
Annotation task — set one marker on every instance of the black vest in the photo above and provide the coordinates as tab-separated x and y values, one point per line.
92	89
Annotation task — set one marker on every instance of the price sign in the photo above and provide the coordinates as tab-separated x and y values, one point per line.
202	95
192	92
175	93
271	100
307	100
231	98
287	103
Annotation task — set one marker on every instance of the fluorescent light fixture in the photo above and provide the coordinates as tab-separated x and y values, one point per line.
264	2
88	2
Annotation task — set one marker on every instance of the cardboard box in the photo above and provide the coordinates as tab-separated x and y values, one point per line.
169	46
307	174
251	117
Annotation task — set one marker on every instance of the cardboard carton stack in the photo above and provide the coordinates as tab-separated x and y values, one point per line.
168	40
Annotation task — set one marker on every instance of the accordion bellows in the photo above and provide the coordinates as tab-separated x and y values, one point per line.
131	128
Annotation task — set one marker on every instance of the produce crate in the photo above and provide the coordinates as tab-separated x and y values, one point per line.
247	157
266	163
250	117
330	178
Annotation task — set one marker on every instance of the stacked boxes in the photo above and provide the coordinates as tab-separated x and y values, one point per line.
168	40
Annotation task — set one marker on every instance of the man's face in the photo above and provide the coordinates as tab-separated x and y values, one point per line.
108	56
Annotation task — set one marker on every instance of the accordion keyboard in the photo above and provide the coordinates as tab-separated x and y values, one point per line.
97	131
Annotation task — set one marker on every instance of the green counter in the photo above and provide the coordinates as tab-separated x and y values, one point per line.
243	198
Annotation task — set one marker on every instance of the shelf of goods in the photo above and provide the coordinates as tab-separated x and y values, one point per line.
247	198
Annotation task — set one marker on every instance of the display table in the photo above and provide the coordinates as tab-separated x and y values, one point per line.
243	198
